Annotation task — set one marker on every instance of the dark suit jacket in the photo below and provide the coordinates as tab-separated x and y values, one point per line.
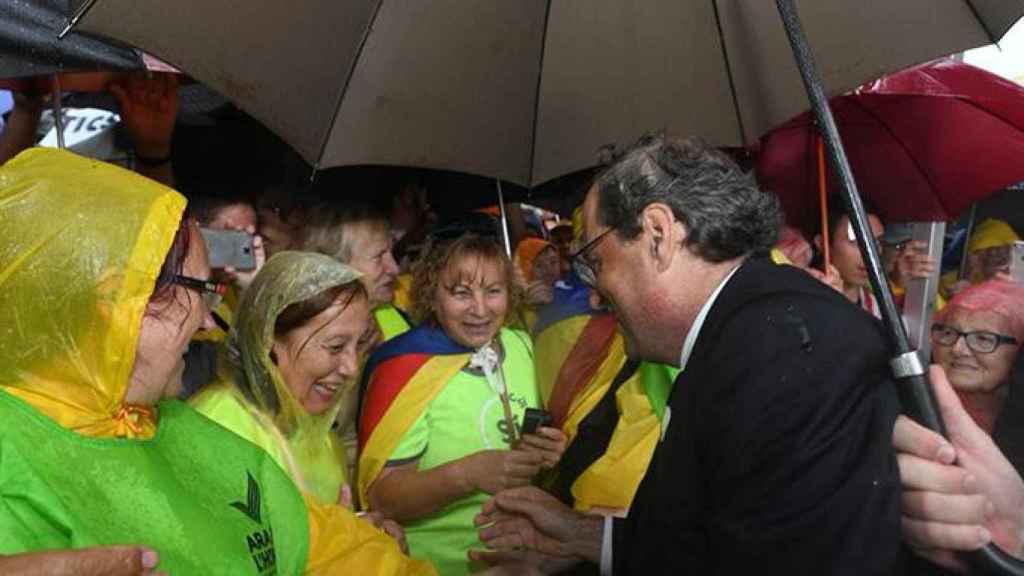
778	455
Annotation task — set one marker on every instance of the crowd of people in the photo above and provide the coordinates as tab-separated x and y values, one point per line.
669	380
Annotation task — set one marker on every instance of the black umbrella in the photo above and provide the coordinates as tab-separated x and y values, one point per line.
29	45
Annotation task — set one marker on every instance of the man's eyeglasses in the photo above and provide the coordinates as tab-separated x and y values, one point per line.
580	263
211	292
980	341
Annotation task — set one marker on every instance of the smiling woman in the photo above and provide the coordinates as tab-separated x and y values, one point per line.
102	289
300	336
977	339
439	425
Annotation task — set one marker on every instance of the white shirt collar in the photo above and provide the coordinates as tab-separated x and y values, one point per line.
698	322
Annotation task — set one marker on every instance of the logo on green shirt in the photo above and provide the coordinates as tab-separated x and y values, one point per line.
251	507
260	542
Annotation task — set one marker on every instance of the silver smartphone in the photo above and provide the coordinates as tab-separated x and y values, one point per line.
1017	261
229	248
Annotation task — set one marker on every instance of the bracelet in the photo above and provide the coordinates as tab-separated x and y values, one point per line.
152	162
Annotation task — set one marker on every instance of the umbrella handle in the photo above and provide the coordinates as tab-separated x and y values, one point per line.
911	379
826	241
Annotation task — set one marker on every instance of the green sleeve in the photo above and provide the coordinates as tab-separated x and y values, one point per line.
414	443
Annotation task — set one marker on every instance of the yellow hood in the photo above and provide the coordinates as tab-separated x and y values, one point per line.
82	245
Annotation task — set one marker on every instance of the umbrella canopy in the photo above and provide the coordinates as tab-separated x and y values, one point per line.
29	44
924	145
527	91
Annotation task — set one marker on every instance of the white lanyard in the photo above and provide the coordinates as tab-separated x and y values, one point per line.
486	359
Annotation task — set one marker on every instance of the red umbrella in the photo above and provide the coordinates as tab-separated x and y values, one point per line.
924	145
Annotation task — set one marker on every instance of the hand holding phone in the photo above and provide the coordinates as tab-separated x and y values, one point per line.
534	418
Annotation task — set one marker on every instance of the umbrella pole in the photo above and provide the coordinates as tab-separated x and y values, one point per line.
826	240
504	219
912	380
82	9
58	113
967	239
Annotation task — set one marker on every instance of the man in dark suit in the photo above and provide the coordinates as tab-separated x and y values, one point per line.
775	454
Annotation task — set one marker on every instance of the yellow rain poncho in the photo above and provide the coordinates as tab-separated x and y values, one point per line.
94	236
253	400
82	245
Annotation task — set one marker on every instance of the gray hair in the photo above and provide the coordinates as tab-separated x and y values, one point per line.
725	213
329	229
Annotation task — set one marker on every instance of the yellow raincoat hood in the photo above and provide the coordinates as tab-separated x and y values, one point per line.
287	278
82	245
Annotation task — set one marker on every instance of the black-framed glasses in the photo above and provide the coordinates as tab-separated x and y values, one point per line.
579	261
980	341
211	292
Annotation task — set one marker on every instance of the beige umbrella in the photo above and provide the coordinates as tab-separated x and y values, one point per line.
531	89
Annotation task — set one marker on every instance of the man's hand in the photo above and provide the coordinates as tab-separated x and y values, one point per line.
959	496
108	561
148	110
530	519
913	263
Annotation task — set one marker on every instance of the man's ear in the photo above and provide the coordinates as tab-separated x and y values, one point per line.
664	234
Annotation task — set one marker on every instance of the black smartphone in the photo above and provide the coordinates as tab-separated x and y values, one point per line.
534	418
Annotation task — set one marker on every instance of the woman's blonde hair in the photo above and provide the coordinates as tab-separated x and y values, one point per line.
442	257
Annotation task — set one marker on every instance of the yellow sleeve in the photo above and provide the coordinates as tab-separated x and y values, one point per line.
341	543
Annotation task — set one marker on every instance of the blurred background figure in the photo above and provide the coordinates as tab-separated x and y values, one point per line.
988	254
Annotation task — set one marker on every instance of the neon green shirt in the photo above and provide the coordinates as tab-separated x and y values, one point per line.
320	474
467	416
205	500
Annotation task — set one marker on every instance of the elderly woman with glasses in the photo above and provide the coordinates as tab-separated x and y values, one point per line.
976	338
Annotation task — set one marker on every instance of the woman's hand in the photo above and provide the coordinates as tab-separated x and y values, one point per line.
390	527
495	470
548	442
242	278
959	496
106	561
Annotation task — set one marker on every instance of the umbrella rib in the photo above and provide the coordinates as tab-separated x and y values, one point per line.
536	95
903	146
984	26
728	72
348	82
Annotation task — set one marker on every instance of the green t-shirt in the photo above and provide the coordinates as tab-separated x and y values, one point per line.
207	501
467	416
320	473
